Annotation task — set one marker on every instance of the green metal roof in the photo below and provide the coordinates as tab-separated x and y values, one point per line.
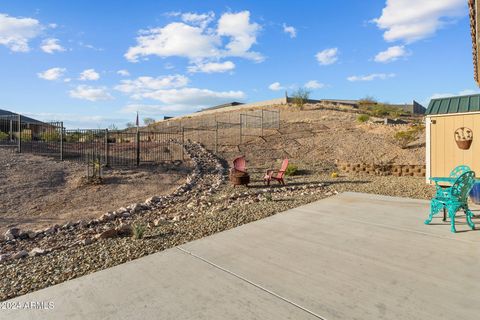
457	104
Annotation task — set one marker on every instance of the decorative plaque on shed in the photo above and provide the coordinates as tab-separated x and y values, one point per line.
463	138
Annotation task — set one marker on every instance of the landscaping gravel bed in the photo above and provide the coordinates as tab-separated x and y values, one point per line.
208	206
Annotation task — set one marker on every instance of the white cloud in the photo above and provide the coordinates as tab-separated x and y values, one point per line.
276	86
391	54
327	56
193	96
51	45
212	67
173	93
89	75
142	85
192	39
291	31
156	109
175	39
15	33
242	33
123	73
314	84
52	74
412	20
90	93
201	20
370	77
465	92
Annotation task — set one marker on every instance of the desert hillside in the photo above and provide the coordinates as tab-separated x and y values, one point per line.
315	137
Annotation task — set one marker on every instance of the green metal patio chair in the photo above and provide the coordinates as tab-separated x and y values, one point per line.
453	199
454	174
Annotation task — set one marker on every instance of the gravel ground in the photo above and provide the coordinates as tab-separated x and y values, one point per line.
39	191
225	209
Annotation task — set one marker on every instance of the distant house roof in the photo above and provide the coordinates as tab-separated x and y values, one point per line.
24	119
221	106
452	105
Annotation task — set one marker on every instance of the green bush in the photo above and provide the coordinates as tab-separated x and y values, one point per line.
300	97
4	136
50	136
138	231
404	138
380	110
291	170
363	118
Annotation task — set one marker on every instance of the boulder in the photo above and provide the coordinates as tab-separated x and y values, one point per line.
86	241
109	233
12	233
124	230
20	254
31	234
36	252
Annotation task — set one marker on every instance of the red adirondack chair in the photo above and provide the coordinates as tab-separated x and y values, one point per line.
239	164
238	174
279	177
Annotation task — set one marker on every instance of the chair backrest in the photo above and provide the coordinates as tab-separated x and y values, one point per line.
283	169
462	186
458	171
240	164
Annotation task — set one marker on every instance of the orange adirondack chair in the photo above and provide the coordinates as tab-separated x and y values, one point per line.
279	177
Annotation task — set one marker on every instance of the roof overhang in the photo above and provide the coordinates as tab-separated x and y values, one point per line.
474	11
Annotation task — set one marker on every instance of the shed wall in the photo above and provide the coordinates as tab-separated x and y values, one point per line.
444	152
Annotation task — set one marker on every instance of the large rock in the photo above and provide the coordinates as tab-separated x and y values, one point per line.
20	254
12	233
110	233
124	230
36	252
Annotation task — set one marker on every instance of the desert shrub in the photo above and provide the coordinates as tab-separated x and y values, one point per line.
334	174
50	136
26	135
291	170
3	136
148	121
404	138
363	118
300	97
268	197
138	231
367	101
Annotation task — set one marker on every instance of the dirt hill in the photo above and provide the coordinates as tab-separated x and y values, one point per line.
316	137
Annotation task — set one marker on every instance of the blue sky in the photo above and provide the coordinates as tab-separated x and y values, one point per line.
94	63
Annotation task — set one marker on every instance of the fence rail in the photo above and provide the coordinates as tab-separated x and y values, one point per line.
132	146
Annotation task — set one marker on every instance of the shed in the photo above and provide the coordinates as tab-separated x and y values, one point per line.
452	127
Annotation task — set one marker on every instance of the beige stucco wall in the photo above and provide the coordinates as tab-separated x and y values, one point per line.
444	152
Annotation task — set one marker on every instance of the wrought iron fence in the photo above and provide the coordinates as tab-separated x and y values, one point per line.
133	147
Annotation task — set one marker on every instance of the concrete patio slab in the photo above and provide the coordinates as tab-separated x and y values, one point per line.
352	256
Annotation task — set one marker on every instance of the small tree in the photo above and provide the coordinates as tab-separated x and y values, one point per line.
130	125
300	97
113	127
148	121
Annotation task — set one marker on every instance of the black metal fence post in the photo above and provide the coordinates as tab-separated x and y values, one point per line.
19	134
106	148
216	138
138	147
61	141
183	143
